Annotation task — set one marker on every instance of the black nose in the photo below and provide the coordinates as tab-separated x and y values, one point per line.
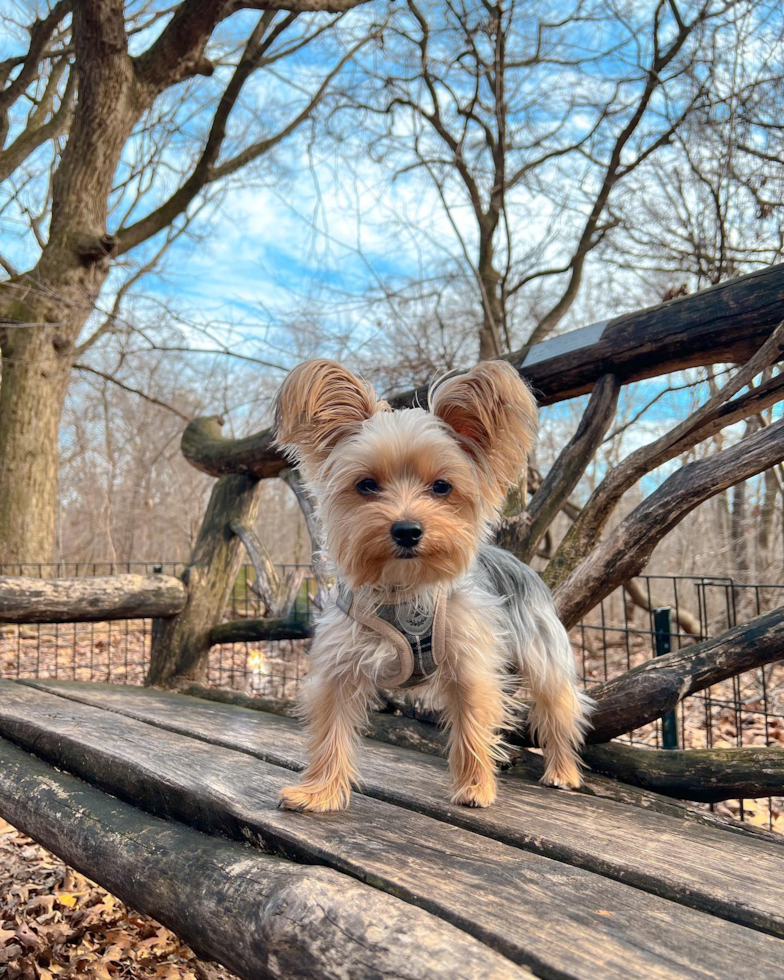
407	534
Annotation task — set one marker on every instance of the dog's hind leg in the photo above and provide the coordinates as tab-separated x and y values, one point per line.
559	715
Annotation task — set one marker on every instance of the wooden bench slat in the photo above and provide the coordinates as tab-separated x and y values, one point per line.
706	868
558	919
257	914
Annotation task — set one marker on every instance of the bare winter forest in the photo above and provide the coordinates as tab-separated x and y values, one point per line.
197	196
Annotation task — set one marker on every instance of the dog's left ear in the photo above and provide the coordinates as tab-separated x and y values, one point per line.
493	416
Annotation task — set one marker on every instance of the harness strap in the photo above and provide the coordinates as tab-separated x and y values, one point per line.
419	653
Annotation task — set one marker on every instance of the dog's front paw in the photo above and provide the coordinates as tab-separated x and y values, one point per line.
306	799
563	777
476	795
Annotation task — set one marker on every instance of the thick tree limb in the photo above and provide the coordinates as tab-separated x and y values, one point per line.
205	448
702	775
521	534
644	694
180	646
84	600
624	553
259	630
725	323
719	411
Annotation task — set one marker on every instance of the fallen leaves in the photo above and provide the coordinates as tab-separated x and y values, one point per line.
55	924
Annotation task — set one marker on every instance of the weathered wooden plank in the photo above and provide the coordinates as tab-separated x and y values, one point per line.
558	919
83	600
702	867
259	915
410	733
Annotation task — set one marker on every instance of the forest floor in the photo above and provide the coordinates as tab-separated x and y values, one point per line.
55	923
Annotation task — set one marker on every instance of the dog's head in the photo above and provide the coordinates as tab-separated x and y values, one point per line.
406	497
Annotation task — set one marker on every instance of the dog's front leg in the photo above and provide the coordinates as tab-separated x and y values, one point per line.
474	709
335	708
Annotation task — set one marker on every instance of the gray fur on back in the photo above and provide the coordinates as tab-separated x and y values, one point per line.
536	637
508	577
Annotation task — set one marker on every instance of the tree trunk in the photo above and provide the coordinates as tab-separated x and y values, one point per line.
181	645
34	383
43	311
490	344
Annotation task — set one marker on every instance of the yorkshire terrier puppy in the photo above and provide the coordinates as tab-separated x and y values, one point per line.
407	500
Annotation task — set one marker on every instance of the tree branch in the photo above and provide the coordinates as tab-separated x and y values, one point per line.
206	170
647	692
133	391
624	553
717	413
521	534
40	33
702	775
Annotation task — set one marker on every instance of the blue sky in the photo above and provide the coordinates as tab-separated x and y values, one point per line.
308	228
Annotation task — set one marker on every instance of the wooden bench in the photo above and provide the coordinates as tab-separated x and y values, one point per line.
169	801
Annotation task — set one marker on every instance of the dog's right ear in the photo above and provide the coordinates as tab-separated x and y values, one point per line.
319	404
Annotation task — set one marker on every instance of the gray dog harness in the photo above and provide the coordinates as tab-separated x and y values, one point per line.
416	635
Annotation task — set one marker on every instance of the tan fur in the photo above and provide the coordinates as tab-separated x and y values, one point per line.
494	416
319	403
480	427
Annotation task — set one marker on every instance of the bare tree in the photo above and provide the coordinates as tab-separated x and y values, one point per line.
526	122
107	116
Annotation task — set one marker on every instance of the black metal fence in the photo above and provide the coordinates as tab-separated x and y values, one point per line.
616	636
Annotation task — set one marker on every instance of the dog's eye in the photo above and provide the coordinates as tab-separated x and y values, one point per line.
441	488
367	486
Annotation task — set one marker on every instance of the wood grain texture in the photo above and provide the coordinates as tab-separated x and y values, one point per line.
655	852
725	323
181	646
556	918
430	739
83	600
705	775
258	915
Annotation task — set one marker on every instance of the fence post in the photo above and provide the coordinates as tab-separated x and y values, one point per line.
662	626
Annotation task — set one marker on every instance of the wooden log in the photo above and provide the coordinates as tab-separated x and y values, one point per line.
480	869
702	775
626	550
205	448
257	630
86	600
725	323
181	645
521	534
258	915
723	408
645	693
